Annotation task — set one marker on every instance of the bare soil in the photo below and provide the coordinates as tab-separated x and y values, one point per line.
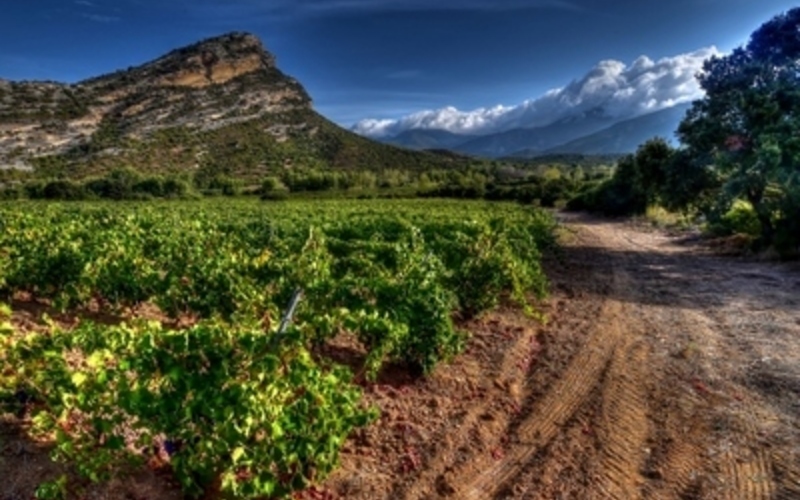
663	371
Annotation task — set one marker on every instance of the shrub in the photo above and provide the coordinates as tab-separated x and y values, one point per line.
740	219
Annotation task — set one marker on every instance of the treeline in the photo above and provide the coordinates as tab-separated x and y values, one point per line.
122	184
544	185
738	166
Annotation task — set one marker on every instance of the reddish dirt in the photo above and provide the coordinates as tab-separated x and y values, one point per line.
662	372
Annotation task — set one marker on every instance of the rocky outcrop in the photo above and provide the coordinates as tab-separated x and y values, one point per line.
210	84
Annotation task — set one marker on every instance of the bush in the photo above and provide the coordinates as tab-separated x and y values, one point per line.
273	189
11	193
740	219
609	198
175	188
223	185
152	186
63	190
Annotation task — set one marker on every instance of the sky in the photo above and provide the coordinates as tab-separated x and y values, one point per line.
467	66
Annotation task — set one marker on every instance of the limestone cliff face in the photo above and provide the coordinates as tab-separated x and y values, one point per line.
205	86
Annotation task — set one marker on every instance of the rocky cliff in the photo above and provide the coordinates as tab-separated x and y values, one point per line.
218	107
205	86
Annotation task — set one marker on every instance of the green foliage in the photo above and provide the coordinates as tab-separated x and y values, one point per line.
745	130
687	185
119	184
740	219
639	180
231	403
53	490
226	403
787	225
623	194
273	189
400	269
63	190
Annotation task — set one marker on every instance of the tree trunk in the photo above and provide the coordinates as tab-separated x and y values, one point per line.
756	199
767	230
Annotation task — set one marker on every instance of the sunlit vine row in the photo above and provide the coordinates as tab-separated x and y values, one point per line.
229	399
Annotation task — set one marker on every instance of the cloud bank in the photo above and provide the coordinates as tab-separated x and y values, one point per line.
620	90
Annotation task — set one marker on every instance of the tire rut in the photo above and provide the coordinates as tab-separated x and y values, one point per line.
624	425
746	470
552	412
453	450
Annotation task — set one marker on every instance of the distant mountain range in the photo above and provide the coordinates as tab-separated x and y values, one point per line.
591	133
627	135
428	139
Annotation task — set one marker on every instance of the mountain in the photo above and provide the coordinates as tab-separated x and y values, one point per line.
538	138
220	106
622	137
590	133
428	139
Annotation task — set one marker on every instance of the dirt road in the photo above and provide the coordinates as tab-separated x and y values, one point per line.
687	384
664	372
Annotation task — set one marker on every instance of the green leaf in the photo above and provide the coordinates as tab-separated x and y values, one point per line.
78	379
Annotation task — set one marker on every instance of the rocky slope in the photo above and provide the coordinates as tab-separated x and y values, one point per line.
220	101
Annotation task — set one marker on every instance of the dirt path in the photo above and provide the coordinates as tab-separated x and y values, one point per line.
688	385
664	372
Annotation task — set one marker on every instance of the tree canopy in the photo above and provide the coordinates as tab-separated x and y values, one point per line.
746	130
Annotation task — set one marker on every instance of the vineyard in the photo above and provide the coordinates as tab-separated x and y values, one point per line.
236	398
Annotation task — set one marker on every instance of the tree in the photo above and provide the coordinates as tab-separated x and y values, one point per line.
638	180
687	186
652	160
745	130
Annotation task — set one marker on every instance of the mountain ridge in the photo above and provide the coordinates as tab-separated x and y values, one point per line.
220	104
592	133
627	135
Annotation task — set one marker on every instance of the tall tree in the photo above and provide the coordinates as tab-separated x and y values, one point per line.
747	128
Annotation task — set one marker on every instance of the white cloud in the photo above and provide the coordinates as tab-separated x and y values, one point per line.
621	90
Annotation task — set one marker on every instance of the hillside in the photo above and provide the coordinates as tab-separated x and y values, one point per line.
221	105
536	138
428	139
625	136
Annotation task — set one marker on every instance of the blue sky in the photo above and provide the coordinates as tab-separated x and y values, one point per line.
381	59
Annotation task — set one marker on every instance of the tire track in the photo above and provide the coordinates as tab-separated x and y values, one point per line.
624	424
787	470
554	410
746	470
451	451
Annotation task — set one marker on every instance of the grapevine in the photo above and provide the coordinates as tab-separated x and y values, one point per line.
226	399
